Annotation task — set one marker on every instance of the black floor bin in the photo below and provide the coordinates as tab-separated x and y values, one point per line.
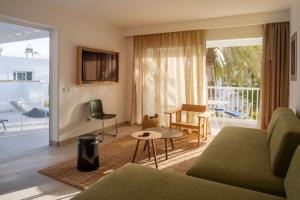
88	154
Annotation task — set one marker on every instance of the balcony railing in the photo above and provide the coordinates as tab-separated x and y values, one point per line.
234	104
22	116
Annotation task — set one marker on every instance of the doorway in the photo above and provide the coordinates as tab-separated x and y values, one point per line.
233	70
24	83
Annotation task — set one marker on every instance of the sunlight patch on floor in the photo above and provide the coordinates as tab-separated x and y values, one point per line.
36	193
175	156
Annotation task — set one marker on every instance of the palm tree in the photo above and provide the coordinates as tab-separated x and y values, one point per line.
237	66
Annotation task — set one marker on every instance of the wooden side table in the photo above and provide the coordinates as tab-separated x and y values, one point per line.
150	139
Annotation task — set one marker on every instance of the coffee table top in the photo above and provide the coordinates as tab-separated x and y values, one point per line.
166	133
153	135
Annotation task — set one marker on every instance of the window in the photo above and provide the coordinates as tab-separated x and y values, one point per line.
235	63
23	76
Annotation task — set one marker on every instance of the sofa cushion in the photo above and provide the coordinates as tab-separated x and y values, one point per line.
240	157
135	182
292	179
284	141
277	114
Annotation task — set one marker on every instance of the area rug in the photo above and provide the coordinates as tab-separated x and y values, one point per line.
120	151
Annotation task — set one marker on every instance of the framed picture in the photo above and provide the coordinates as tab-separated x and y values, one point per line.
294	57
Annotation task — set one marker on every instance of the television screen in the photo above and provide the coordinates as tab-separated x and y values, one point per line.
97	65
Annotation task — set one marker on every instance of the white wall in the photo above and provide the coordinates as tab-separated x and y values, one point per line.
240	32
74	29
295	85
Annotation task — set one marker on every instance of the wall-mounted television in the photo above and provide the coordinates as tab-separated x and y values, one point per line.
95	65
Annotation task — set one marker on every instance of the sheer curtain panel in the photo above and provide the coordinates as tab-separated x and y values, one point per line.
169	69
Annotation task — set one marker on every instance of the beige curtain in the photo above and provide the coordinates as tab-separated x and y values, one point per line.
275	70
169	69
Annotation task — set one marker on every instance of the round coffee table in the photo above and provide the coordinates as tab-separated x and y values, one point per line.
166	134
151	138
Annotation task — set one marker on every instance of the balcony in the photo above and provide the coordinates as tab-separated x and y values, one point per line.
22	118
233	106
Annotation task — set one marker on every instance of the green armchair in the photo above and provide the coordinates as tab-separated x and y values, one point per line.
97	112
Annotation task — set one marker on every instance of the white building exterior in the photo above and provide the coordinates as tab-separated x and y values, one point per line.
23	79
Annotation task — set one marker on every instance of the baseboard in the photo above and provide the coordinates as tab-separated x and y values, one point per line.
73	139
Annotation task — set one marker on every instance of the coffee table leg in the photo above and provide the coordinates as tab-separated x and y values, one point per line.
148	147
166	147
146	143
154	153
136	149
172	143
144	149
206	121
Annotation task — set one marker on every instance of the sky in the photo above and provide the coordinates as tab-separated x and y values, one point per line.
17	49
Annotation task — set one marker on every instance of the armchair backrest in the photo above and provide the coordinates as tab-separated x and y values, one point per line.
96	108
193	108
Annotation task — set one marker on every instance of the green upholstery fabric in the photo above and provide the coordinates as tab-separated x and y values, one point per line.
284	141
96	110
135	182
105	116
277	114
292	179
240	157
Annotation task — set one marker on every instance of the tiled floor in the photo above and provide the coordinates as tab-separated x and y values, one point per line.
14	145
20	159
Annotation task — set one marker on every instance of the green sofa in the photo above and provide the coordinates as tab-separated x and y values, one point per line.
252	158
240	163
136	182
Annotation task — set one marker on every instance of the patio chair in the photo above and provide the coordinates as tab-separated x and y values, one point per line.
3	124
19	106
179	123
29	111
96	110
245	113
36	113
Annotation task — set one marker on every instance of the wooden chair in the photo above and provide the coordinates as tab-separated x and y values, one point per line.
200	124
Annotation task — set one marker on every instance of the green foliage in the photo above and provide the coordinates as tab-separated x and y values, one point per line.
46	103
237	66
